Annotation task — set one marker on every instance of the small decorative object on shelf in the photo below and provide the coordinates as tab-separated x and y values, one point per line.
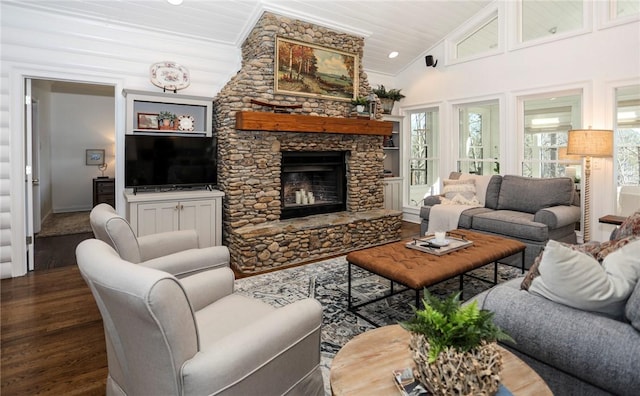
166	120
360	103
454	347
169	76
148	121
388	97
186	123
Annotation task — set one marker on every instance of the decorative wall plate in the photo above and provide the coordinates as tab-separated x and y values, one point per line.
169	75
186	123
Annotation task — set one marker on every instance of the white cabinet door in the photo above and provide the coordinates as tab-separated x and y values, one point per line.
393	194
158	217
199	216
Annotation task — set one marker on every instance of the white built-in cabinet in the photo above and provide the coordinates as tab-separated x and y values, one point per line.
151	213
392	148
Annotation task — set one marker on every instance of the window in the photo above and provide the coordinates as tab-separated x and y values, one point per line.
627	149
483	38
546	123
624	8
479	138
545	19
423	156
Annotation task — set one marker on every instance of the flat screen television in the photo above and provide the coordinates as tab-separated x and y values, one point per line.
156	162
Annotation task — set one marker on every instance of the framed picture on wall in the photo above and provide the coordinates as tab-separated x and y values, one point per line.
148	121
94	157
311	70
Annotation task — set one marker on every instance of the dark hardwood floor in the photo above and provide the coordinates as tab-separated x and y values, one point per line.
51	333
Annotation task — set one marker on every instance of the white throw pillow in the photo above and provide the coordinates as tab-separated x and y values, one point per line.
465	188
576	279
482	183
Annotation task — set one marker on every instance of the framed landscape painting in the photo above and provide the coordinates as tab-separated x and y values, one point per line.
310	70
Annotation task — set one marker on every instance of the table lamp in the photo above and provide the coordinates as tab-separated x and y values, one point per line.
589	143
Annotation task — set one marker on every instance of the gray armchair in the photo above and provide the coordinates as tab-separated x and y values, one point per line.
176	252
194	336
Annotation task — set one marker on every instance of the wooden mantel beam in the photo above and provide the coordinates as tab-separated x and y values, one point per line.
275	122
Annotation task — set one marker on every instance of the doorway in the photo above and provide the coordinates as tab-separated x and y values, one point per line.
67	119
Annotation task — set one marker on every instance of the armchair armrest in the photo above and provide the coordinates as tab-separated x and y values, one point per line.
164	243
207	287
188	262
273	354
558	216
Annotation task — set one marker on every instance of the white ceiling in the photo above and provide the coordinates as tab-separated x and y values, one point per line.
409	27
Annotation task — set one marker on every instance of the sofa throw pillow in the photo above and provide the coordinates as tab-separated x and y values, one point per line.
481	183
591	248
465	189
630	226
578	280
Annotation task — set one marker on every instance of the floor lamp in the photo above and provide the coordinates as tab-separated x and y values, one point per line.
589	143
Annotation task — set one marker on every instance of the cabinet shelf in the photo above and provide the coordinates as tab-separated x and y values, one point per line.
141	102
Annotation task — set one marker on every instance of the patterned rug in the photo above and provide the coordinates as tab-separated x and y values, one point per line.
57	224
326	281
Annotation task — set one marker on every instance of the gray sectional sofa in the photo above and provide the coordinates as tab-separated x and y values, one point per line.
531	210
576	352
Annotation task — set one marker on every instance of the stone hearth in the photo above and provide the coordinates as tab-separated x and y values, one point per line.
250	159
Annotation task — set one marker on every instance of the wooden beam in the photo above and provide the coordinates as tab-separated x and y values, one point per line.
274	122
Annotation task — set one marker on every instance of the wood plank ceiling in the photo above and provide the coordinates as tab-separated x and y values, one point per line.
409	27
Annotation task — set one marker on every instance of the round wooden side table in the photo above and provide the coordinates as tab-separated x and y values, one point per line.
364	366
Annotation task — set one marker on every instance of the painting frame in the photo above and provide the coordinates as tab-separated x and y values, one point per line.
330	73
148	121
94	156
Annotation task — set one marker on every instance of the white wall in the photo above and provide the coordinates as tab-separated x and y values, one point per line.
38	45
594	62
79	122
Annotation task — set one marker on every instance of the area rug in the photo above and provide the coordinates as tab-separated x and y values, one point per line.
57	224
326	281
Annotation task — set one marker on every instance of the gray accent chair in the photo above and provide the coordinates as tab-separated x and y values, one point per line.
530	210
576	352
176	252
194	336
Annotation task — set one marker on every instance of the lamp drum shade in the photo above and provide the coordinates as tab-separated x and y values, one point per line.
590	142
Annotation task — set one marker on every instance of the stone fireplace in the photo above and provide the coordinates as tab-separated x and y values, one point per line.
262	155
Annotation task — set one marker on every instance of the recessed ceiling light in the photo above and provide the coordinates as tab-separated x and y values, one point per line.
393	54
174	2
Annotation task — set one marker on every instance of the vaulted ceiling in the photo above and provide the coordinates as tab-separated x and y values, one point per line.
409	27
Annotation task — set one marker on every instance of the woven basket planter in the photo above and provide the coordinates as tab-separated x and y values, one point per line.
476	372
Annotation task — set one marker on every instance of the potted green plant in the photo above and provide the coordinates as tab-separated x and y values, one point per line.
360	102
388	97
454	347
166	118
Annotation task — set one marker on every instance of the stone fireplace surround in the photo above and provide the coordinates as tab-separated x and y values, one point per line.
249	161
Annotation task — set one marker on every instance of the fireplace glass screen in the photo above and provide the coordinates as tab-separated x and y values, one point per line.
312	182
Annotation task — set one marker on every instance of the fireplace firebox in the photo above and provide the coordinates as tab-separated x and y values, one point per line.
312	182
